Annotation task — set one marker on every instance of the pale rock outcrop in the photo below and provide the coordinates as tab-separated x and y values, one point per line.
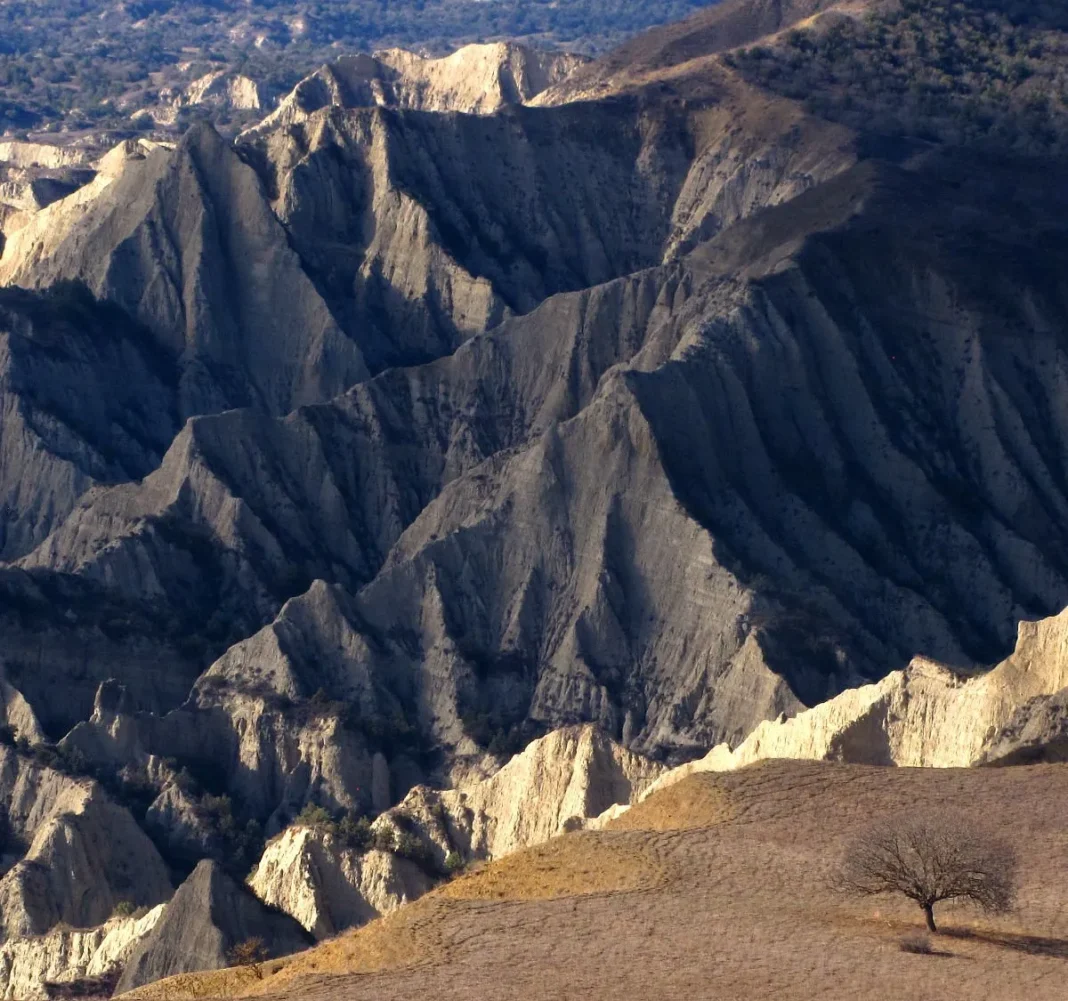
85	859
476	79
85	853
556	784
271	754
220	90
67	954
43	231
326	887
16	712
54	156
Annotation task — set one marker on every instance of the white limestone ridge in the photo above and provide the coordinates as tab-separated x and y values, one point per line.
924	716
476	79
555	785
50	155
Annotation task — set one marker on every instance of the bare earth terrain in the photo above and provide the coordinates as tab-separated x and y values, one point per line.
716	888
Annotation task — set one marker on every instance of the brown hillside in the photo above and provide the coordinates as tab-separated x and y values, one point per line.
656	52
736	909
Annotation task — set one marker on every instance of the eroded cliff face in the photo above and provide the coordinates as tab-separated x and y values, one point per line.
811	463
208	916
556	784
408	436
281	273
326	887
926	716
86	399
66	955
185	243
78	853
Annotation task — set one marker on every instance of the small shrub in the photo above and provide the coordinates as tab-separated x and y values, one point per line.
123	909
454	863
412	847
917	943
316	817
355	832
385	839
250	955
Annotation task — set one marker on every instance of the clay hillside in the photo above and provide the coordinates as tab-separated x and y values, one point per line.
716	888
442	501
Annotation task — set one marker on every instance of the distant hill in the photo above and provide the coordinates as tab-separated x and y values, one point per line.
77	64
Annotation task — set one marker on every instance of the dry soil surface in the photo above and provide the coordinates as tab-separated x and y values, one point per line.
714	889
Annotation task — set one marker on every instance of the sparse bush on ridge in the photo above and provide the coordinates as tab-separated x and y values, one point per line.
315	817
250	954
123	909
454	863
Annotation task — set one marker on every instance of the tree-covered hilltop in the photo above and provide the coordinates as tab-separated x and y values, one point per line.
82	63
991	72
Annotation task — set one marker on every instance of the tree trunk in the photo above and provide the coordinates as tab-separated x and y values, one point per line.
928	913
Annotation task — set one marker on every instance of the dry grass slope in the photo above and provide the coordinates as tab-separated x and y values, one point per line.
718	889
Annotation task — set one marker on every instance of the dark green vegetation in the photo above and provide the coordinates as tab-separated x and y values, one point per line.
91	63
993	72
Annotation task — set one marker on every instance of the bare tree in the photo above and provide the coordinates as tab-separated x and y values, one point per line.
251	954
929	861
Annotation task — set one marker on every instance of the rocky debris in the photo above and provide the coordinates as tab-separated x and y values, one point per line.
476	79
85	854
64	956
209	915
327	887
